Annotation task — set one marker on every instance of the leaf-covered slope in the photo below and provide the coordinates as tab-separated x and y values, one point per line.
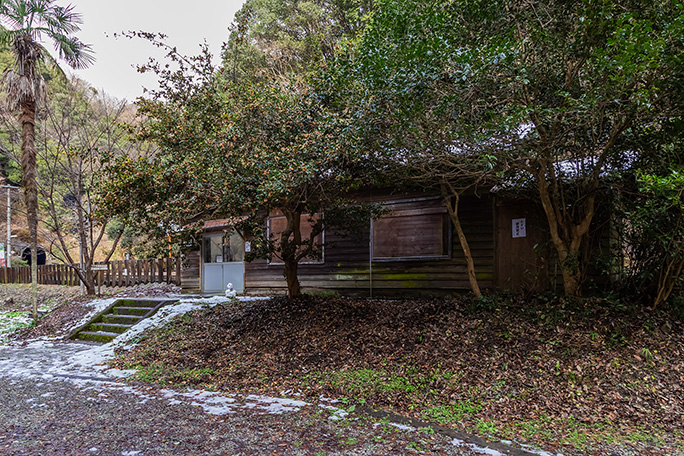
513	370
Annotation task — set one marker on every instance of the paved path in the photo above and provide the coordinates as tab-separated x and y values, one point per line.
56	400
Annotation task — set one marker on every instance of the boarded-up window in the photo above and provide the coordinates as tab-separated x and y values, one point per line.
277	224
412	230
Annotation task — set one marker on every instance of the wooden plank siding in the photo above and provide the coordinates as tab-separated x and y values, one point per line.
348	269
190	272
523	264
125	273
531	263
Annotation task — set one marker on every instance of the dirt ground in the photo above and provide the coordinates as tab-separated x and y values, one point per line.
574	377
579	378
58	398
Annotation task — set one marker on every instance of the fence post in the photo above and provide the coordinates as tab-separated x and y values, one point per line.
146	271
138	271
160	269
119	273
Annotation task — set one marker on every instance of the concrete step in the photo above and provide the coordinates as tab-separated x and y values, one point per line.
121	319
123	314
138	311
109	327
97	336
138	303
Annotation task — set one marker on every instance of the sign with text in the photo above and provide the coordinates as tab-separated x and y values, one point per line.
519	228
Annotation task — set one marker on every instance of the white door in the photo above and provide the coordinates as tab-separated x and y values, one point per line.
223	257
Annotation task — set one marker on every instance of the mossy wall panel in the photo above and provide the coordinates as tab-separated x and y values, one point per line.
347	267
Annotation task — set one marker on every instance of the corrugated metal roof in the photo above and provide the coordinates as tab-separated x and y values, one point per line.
212	225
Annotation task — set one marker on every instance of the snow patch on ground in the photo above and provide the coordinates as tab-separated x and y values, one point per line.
336	414
403	427
531	449
215	403
476	449
276	405
492	452
85	365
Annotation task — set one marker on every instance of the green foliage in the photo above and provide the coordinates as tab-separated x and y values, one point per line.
161	374
286	39
454	413
242	150
655	234
368	382
551	97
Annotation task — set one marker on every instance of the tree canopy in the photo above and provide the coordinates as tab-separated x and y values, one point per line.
554	98
553	93
242	150
287	38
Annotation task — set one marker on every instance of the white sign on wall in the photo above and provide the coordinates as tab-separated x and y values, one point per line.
519	228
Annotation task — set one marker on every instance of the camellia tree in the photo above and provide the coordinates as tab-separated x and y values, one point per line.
243	150
658	224
554	93
25	24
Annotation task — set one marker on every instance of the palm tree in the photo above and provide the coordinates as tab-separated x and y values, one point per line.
25	23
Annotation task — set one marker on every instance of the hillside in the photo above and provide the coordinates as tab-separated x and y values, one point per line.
585	377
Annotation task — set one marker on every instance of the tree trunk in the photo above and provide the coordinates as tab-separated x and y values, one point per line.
568	245
89	281
290	239
571	280
470	263
293	288
28	166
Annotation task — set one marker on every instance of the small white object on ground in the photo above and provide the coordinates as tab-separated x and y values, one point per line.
230	291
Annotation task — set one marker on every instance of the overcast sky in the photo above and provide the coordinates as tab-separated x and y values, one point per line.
187	24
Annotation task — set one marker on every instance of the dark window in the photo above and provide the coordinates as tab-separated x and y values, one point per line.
223	248
418	229
277	224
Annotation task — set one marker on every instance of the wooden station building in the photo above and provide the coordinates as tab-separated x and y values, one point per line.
412	248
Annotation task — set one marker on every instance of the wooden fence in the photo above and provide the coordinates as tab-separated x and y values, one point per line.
126	273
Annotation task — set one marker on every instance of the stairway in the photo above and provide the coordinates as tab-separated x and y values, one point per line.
118	318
